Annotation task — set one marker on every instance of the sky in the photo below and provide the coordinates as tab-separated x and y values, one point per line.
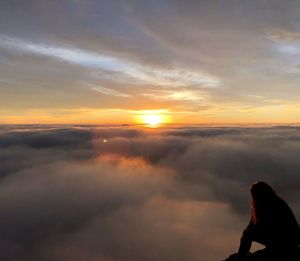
80	179
145	194
113	61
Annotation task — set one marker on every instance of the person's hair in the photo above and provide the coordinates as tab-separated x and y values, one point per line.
263	197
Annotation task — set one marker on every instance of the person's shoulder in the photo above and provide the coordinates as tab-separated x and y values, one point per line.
282	204
285	212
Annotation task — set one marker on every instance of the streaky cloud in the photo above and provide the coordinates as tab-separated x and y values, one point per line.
109	91
139	73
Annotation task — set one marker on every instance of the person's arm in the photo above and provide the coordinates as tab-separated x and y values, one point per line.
246	242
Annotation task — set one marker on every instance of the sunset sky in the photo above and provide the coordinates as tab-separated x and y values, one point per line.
132	130
119	61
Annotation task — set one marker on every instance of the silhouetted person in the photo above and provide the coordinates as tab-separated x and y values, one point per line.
272	224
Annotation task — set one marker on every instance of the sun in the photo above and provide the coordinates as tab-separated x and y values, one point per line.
152	120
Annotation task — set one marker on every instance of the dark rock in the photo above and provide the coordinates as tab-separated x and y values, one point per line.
270	255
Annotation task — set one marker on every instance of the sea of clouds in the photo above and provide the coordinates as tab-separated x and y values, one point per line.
128	193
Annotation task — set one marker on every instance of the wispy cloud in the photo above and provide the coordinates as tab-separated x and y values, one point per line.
177	95
71	55
108	91
289	48
283	35
139	73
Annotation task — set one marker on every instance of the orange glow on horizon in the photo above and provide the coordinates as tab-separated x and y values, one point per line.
153	118
288	113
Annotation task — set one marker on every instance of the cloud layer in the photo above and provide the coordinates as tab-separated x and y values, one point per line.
170	194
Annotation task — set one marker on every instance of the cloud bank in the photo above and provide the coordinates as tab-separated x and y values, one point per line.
178	193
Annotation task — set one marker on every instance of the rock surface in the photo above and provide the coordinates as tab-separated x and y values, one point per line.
270	255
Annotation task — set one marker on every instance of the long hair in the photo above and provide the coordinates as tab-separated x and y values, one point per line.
263	200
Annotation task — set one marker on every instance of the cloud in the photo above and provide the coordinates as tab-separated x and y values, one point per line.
108	91
172	193
290	49
71	54
138	72
283	35
55	200
178	95
174	228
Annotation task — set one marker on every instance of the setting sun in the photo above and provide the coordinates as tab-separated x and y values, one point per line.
152	120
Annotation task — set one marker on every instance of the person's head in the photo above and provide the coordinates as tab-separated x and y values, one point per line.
261	191
262	197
